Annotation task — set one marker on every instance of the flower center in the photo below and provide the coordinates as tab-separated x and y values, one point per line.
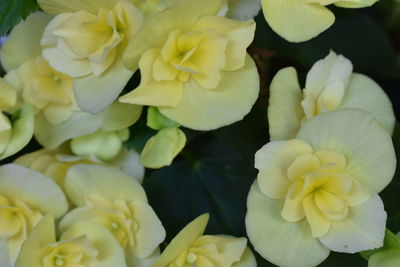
191	258
193	54
117	216
321	191
74	252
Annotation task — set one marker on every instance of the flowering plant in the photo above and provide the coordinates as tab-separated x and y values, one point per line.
199	133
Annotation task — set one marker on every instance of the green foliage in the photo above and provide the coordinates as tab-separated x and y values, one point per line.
213	174
391	241
13	11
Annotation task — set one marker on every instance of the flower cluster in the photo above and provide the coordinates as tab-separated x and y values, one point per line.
79	201
330	155
82	75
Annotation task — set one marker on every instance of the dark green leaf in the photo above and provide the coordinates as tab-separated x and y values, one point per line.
213	174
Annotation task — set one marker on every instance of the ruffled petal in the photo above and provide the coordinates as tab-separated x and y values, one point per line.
361	138
297	21
280	242
363	228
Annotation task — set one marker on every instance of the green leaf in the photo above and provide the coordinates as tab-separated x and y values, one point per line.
13	11
213	174
210	177
391	241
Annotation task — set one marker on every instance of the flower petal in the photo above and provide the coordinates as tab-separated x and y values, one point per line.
247	259
95	93
43	234
278	241
120	116
50	136
109	251
83	181
239	35
360	137
284	110
56	7
297	21
229	102
362	3
363	229
22	131
364	93
150	232
326	71
183	240
20	183
154	33
151	92
161	149
273	161
24	41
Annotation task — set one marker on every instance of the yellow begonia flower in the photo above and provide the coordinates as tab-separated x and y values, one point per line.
330	85
116	117
302	20
318	192
83	244
96	63
16	133
22	204
161	149
116	201
49	91
194	65
29	75
191	248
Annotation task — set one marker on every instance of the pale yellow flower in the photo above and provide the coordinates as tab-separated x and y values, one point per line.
116	201
83	244
330	85
194	65
319	192
302	20
22	204
86	40
49	91
191	248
